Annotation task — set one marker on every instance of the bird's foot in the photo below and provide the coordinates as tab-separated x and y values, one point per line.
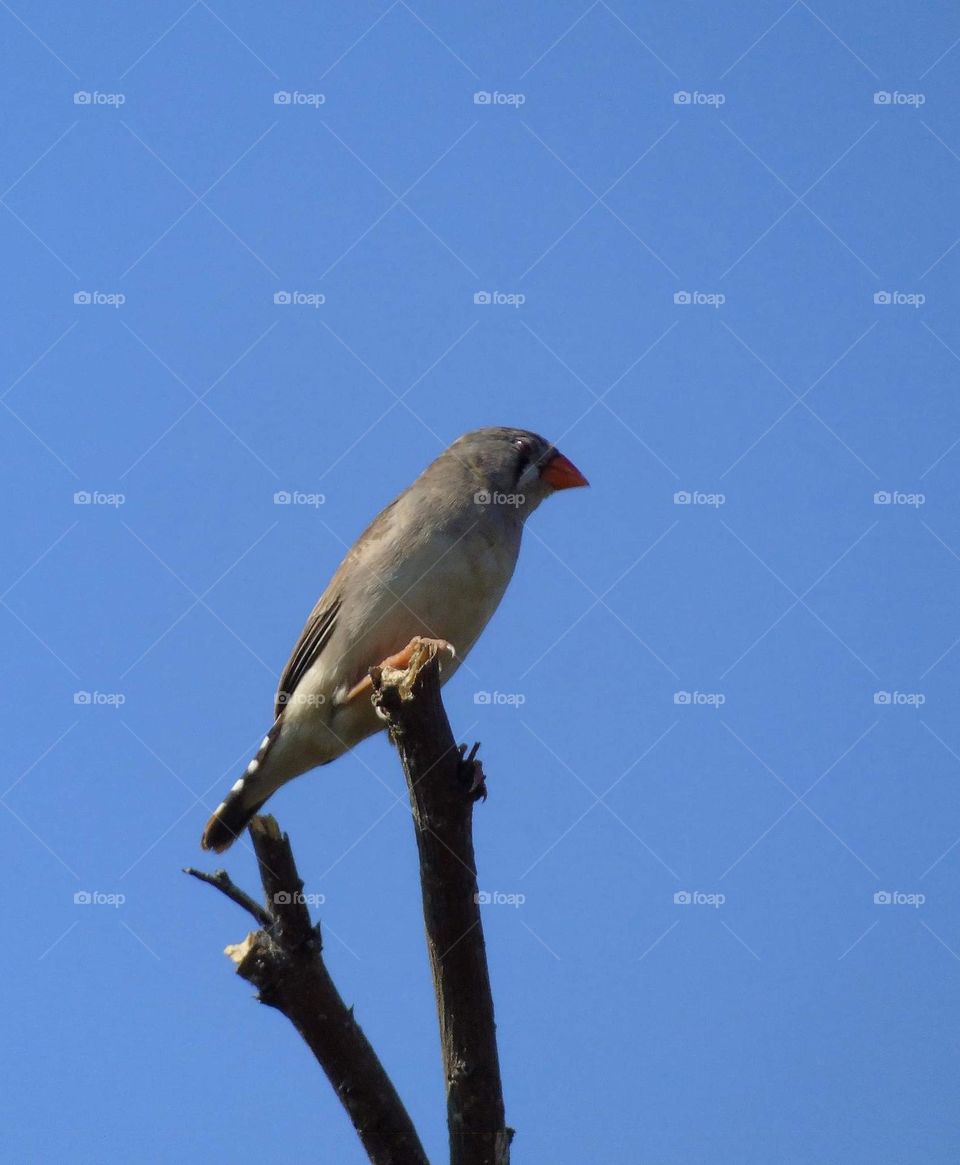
401	661
473	775
417	641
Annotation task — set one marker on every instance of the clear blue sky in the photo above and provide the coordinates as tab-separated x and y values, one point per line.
782	1014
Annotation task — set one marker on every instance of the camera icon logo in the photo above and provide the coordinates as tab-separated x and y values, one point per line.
282	297
682	297
682	898
882	898
882	297
282	498
82	297
681	97
482	297
482	97
681	697
682	498
882	97
281	97
82	898
282	898
81	97
482	497
481	697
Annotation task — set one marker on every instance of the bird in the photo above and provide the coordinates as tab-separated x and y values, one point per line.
433	565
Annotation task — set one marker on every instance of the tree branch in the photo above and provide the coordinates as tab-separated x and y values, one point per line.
283	960
442	787
221	879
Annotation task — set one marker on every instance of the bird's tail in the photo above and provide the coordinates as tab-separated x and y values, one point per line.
245	799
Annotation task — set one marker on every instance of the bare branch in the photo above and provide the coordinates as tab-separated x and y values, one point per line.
221	879
443	786
283	960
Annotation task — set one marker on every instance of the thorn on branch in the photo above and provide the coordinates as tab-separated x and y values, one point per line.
473	775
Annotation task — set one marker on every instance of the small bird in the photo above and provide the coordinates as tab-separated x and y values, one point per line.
434	565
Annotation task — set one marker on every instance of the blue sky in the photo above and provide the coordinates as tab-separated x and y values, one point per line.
723	757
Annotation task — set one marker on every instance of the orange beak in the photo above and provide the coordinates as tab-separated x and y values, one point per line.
561	473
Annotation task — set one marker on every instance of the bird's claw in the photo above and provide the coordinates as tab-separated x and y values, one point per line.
437	644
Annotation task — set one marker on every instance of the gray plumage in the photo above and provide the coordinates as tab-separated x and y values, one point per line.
434	563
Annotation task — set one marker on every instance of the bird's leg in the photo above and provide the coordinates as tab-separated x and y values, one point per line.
400	661
473	775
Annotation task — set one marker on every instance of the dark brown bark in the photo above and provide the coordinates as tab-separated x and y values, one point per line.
283	960
442	787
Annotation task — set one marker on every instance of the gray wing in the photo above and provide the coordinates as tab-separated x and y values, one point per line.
323	618
313	638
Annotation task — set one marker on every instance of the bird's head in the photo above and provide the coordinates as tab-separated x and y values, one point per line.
515	467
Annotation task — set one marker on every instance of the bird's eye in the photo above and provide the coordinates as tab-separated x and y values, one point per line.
522	444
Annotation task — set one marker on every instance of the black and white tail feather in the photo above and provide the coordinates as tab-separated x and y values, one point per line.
232	816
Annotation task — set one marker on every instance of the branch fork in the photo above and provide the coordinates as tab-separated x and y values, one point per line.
283	959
